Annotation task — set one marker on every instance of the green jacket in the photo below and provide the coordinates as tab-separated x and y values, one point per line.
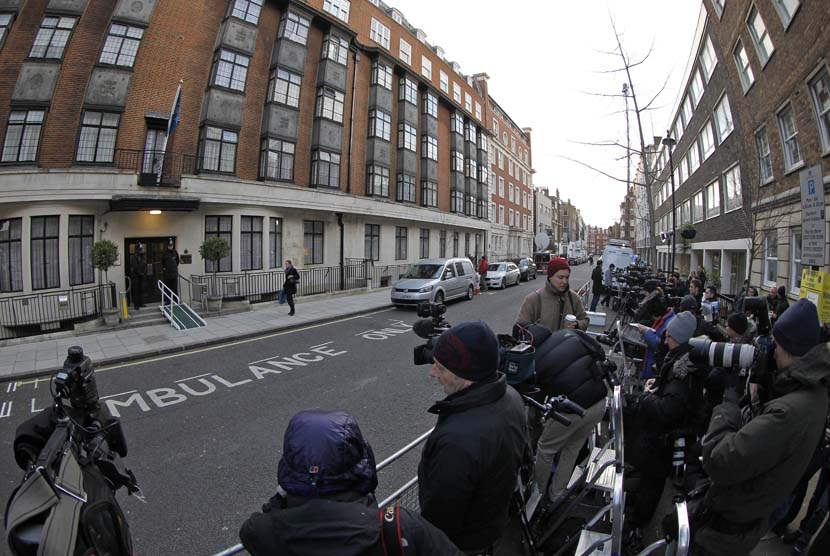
549	307
756	466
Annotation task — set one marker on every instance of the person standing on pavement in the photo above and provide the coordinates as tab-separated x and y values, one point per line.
170	267
608	278
292	278
482	273
138	269
597	289
470	462
552	303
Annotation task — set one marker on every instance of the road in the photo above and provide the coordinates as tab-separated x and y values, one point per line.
205	427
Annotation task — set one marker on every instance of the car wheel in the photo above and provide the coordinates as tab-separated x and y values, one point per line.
439	298
502	285
470	293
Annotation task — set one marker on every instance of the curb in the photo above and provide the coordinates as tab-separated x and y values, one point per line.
195	345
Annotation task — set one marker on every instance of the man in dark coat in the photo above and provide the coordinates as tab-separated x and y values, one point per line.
597	288
138	269
170	266
470	462
292	277
326	504
755	467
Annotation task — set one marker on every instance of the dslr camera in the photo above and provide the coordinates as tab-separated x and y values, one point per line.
431	325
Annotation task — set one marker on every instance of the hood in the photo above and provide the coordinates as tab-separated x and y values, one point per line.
414	283
810	370
496	273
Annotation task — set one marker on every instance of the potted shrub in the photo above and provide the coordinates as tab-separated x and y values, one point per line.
104	255
214	249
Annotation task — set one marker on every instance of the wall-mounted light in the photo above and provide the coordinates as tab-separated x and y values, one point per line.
155	212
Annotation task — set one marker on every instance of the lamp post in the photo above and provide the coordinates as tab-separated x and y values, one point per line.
670	143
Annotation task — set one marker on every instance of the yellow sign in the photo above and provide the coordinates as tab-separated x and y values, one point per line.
815	286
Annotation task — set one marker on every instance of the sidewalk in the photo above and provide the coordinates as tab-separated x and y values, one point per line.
40	357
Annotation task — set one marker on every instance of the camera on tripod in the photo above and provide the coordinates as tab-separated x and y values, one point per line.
431	325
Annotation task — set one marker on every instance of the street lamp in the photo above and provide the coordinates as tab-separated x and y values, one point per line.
670	143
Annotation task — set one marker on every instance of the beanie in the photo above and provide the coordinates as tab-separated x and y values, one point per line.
688	303
682	327
556	264
469	350
797	329
737	322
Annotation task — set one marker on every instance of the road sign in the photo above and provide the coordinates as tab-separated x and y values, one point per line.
812	216
815	286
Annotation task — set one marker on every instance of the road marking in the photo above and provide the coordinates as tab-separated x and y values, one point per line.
223	345
116	395
191	378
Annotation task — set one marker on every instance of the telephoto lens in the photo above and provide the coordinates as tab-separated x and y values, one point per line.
721	354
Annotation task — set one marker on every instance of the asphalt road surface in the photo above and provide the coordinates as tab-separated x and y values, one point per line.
205	427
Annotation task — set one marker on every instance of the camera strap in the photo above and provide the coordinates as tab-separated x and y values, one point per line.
390	531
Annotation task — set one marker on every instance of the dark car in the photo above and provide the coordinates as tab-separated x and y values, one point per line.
527	268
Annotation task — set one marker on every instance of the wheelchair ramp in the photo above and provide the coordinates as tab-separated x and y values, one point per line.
182	316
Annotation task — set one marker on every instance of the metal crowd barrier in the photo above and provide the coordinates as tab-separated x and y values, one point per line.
406	495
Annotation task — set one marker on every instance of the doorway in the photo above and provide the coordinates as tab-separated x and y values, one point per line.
154	248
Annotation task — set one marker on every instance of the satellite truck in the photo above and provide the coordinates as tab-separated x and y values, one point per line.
618	253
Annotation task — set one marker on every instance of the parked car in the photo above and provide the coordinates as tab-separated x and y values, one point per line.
502	274
527	268
435	280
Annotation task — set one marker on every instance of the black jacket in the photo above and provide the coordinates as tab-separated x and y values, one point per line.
138	264
470	462
596	278
291	279
170	264
324	526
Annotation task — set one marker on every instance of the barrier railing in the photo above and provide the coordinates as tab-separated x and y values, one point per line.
406	495
148	165
56	306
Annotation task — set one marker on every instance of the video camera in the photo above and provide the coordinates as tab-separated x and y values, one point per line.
431	325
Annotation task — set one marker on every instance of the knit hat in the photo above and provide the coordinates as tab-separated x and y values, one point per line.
470	350
682	327
797	329
688	303
737	322
556	264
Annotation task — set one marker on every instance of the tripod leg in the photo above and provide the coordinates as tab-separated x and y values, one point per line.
526	531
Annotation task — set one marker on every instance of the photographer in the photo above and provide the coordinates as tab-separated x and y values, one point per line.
704	327
552	303
755	467
326	503
470	462
654	335
609	284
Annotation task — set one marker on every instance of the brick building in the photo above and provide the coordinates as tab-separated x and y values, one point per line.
628	217
321	131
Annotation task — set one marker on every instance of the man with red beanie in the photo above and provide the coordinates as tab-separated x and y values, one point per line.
549	305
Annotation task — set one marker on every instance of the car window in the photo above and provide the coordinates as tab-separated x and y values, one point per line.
513	267
459	269
423	271
468	267
449	272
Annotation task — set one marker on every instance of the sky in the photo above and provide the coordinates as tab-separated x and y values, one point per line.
547	61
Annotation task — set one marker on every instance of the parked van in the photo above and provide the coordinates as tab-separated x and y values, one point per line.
435	280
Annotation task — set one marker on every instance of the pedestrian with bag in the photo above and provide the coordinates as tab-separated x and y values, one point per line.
289	288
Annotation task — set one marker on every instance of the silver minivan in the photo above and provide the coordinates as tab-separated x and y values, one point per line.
435	280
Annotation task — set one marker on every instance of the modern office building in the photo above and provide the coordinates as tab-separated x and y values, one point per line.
328	132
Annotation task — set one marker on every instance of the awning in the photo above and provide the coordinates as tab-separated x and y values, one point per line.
153	202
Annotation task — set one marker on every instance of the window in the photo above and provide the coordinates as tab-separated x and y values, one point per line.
371	242
457	159
400	243
789	135
220	226
379	33
510	166
408	91
470	168
52	37
457	201
377	180
696	88
470	132
294	28
11	256
478	110
760	37
442	243
247	10
325	169
430	104
277	159
284	87
445	82
511	217
820	92
468	102
312	242
405	52
744	69
250	240
713	200
723	118
455	244
380	124
510	192
500	160
5	23
219	149
483	143
482	174
504	138
337	8
456	92
405	188
693	158
330	104
121	45
771	257
275	247
764	158
718	5
707	140
795	261
513	144
230	70
501	215
97	139
496	127
407	137
708	58
424	241
22	135
336	49
426	67
732	188
429	147
81	237
457	123
686	213
381	75
44	253
786	10
687	111
429	194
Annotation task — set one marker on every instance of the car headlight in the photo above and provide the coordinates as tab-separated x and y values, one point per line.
425	289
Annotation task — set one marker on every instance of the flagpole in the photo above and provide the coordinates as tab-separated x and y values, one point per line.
171	127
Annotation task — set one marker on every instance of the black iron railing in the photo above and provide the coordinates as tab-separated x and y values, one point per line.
149	164
56	307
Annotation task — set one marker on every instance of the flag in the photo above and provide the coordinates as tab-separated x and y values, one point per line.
175	112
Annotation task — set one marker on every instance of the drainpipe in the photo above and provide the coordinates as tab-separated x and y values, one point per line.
342	260
356	58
